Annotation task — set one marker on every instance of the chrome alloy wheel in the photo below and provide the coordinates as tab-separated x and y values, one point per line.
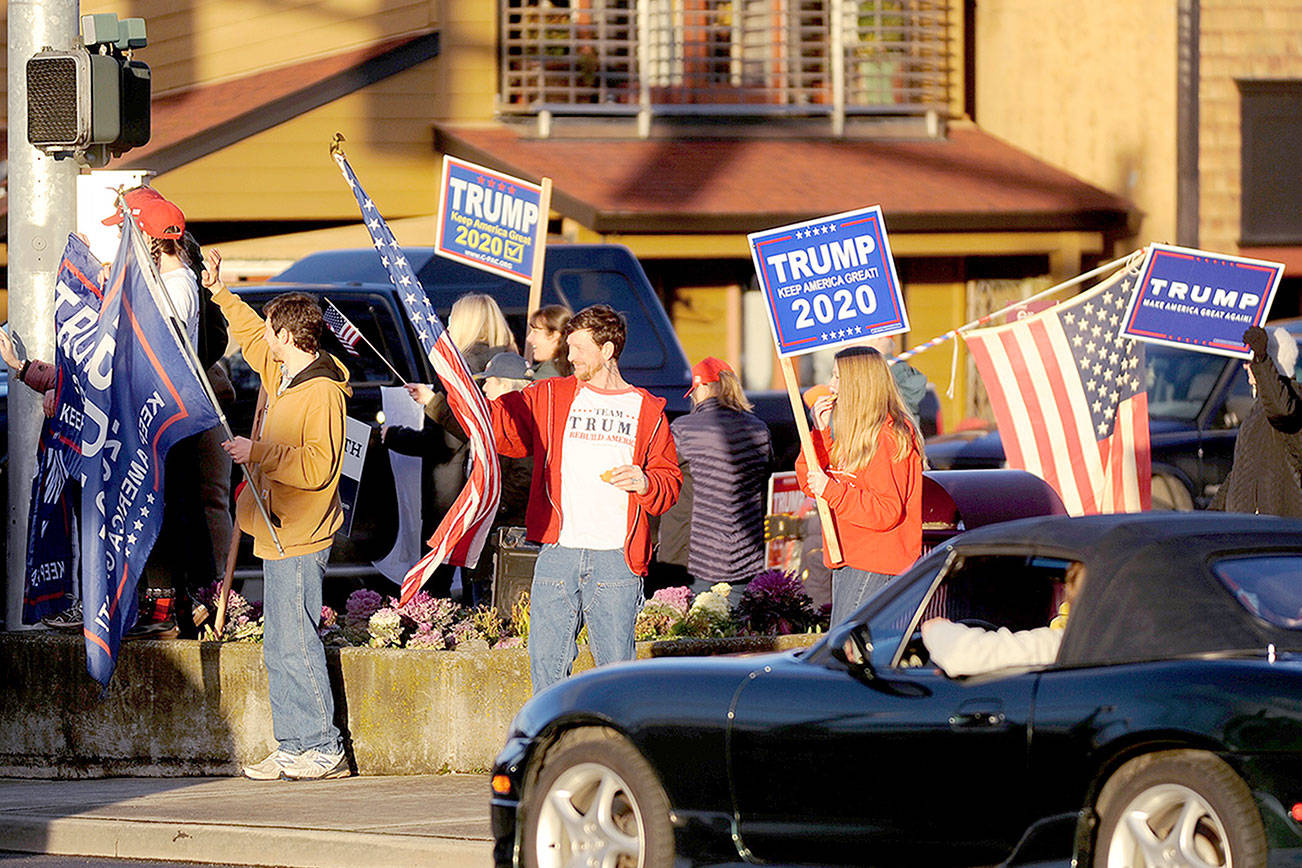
589	819
1169	826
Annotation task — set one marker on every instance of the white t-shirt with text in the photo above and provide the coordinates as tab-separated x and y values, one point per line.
599	435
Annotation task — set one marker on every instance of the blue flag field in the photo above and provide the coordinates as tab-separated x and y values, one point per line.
141	395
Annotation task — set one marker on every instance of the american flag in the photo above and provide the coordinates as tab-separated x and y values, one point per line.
460	536
1069	398
342	327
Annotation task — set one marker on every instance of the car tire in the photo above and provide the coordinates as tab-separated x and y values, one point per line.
1169	492
1178	808
596	795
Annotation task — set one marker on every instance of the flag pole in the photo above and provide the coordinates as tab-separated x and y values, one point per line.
154	281
983	320
830	539
539	250
383	358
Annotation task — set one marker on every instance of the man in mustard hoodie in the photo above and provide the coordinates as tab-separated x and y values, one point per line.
294	459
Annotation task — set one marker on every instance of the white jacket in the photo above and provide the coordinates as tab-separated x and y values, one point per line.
961	650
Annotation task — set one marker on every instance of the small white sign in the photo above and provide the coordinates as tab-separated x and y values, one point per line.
357	434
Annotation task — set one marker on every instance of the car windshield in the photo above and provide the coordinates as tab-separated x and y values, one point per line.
1180	381
1266	585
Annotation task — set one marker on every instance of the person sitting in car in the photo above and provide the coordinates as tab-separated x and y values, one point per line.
962	650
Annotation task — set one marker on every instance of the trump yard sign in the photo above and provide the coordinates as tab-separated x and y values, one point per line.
1199	300
829	281
489	220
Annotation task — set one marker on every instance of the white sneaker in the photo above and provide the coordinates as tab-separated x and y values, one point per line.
272	768
316	765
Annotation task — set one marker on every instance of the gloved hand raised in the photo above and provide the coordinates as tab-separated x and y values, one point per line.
1255	338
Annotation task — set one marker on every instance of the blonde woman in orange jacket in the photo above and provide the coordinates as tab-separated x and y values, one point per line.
870	474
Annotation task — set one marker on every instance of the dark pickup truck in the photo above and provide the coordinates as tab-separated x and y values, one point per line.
575	275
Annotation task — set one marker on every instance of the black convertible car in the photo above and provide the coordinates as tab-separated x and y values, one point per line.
1168	732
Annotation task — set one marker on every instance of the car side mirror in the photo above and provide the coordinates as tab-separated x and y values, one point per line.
851	645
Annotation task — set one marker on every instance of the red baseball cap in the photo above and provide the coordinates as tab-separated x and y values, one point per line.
155	215
707	371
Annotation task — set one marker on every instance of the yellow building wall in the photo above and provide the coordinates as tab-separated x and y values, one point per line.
467	63
195	42
204	41
1090	88
935	308
286	172
1248	39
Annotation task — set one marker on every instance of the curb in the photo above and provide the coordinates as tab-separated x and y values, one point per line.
235	844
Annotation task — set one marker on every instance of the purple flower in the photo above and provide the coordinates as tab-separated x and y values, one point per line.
361	605
775	602
435	612
679	599
424	637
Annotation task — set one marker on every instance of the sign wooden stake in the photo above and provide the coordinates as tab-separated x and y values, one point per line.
539	250
811	459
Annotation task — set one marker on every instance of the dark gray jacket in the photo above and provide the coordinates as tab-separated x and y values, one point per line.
1264	476
1279	395
728	454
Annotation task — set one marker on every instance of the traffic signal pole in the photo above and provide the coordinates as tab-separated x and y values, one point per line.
42	211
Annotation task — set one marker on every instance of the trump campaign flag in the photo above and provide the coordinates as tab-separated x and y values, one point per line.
142	394
51	521
461	533
1069	397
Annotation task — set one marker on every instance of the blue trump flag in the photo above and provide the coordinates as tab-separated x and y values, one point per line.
51	520
142	394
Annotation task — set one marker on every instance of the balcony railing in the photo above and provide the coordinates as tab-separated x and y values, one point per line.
830	58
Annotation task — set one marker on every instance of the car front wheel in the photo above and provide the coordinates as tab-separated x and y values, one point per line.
596	802
1178	808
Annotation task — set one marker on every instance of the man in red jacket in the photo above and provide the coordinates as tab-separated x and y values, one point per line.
603	464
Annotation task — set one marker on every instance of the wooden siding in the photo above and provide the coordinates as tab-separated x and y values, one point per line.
286	172
196	42
203	41
1089	88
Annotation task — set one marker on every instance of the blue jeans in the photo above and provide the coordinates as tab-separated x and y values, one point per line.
572	587
302	707
851	588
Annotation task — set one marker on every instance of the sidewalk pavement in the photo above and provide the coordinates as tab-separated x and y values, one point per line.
437	820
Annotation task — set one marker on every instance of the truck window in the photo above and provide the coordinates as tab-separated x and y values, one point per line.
580	289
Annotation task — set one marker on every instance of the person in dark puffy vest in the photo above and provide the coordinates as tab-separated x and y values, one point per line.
727	452
1267	461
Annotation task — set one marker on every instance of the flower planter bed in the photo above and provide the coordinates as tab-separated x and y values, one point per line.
200	708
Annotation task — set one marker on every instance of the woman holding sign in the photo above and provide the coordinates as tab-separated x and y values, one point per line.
870	474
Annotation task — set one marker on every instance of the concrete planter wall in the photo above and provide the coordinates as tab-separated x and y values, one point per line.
201	708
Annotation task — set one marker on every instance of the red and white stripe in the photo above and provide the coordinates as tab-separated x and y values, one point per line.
460	536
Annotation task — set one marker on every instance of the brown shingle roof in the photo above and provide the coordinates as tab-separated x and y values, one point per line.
969	181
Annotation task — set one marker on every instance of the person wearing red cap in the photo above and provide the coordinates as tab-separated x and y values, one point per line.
172	563
182	559
725	453
870	473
